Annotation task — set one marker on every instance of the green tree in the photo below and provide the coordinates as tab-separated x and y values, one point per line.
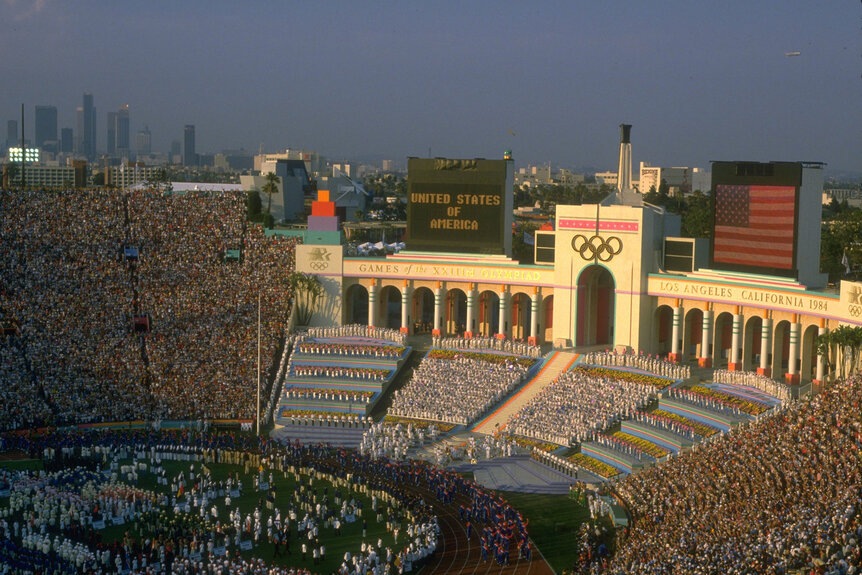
270	188
697	216
253	205
307	290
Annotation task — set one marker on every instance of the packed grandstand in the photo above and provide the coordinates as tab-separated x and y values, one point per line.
143	307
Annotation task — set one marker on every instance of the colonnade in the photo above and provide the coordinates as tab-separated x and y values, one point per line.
771	351
478	310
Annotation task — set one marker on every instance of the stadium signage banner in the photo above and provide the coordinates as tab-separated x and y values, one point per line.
735	294
454	272
456	206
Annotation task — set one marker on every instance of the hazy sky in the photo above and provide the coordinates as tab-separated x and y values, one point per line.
699	80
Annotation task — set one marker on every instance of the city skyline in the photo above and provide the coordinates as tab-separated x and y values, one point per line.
386	80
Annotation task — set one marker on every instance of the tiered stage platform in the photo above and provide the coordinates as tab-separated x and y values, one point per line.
343	376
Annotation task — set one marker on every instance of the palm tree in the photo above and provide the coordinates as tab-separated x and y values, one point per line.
270	188
307	290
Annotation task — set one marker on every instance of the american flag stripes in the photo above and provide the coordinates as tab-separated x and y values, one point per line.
754	225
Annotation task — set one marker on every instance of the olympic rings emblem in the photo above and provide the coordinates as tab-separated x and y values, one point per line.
855	310
597	247
319	266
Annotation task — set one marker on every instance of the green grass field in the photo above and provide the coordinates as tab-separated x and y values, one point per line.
350	539
554	523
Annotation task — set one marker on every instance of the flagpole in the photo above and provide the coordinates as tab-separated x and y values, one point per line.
258	363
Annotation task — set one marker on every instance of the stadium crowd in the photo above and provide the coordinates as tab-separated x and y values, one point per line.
74	297
577	404
470	387
781	495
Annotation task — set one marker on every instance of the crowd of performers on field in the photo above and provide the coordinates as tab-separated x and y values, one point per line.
50	527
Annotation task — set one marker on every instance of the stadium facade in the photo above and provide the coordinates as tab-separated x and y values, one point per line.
758	303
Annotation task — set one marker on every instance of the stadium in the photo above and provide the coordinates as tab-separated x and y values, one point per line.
187	392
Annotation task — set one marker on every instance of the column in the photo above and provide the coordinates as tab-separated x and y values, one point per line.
534	317
471	310
733	363
706	339
675	355
372	304
504	315
765	345
792	375
438	309
821	360
405	308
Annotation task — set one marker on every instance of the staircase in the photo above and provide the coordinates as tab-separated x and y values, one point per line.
557	363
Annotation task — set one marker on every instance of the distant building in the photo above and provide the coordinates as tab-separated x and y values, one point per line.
46	128
143	142
347	195
131	174
67	141
190	158
88	128
677	179
123	136
112	134
852	196
41	176
314	162
293	187
388	166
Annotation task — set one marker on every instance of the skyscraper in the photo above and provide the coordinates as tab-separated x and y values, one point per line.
190	158
46	126
88	138
67	140
123	144
112	134
143	142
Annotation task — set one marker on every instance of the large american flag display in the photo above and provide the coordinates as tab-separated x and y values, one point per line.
754	226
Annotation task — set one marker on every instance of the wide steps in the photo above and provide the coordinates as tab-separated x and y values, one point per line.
551	368
666	439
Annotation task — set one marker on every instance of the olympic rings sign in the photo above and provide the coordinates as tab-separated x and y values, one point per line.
597	247
319	266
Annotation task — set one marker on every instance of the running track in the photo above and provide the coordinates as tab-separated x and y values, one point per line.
455	554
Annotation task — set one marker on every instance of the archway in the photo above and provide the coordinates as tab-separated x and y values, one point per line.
389	307
692	347
663	330
723	339
423	310
455	322
809	353
521	316
595	315
356	305
751	343
489	313
780	349
546	324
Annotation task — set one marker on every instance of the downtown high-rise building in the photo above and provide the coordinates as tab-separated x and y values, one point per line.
143	142
190	158
111	146
46	128
123	139
87	125
67	141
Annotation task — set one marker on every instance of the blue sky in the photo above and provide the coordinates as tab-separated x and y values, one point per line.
699	81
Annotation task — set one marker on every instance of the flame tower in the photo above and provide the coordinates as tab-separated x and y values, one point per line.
624	172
